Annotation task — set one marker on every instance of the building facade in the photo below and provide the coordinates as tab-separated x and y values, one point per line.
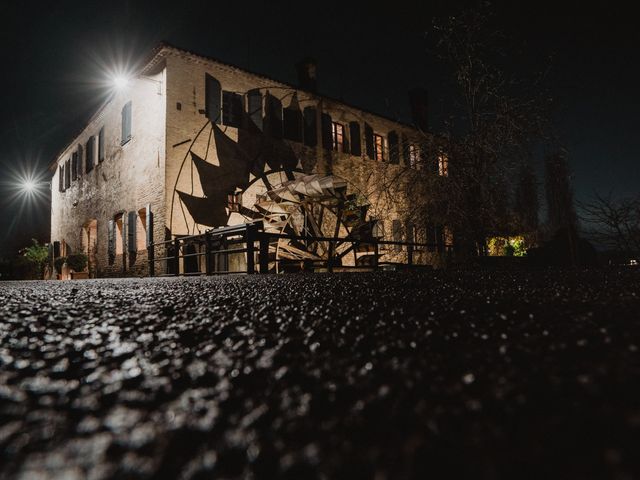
192	144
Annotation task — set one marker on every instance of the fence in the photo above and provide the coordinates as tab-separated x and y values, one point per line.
246	249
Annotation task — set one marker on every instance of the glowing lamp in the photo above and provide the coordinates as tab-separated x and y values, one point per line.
28	186
120	81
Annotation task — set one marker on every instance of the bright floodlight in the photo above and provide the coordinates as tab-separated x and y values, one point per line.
28	186
120	81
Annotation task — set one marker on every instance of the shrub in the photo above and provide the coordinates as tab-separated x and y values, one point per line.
77	262
58	263
38	255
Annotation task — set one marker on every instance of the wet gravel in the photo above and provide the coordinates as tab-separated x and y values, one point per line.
380	376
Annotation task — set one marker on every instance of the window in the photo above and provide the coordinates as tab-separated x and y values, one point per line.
337	135
414	155
61	178
378	147
231	109
101	145
126	124
89	154
234	201
443	165
435	237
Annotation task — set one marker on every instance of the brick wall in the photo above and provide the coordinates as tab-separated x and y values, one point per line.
169	122
381	183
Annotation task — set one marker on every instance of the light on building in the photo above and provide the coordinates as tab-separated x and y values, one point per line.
28	186
120	81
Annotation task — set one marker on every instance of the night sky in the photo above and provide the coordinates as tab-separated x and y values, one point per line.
55	60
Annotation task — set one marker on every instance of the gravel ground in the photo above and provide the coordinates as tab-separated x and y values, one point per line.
381	376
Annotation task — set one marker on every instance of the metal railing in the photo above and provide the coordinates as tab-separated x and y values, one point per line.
209	252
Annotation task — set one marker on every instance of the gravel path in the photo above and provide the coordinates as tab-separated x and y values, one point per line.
380	376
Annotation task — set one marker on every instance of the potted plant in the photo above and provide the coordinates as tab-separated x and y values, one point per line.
77	262
58	263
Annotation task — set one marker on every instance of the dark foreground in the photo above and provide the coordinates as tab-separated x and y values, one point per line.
380	376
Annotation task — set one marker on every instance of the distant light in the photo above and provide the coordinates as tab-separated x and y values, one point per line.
120	81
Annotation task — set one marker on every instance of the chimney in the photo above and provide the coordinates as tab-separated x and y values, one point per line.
418	101
307	74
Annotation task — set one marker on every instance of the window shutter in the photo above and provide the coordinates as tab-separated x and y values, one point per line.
327	135
132	219
368	140
433	162
89	154
292	128
101	145
404	151
212	92
231	109
75	165
149	215
67	174
439	233
273	117
396	232
310	129
354	133
255	107
126	124
80	159
111	241
410	232
394	151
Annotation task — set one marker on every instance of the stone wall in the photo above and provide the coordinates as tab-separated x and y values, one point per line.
130	176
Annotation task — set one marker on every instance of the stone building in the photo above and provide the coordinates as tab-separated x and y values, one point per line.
191	143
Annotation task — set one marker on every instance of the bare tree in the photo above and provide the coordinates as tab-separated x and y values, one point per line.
614	223
495	124
561	213
526	204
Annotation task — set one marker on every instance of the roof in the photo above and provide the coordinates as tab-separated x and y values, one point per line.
156	55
